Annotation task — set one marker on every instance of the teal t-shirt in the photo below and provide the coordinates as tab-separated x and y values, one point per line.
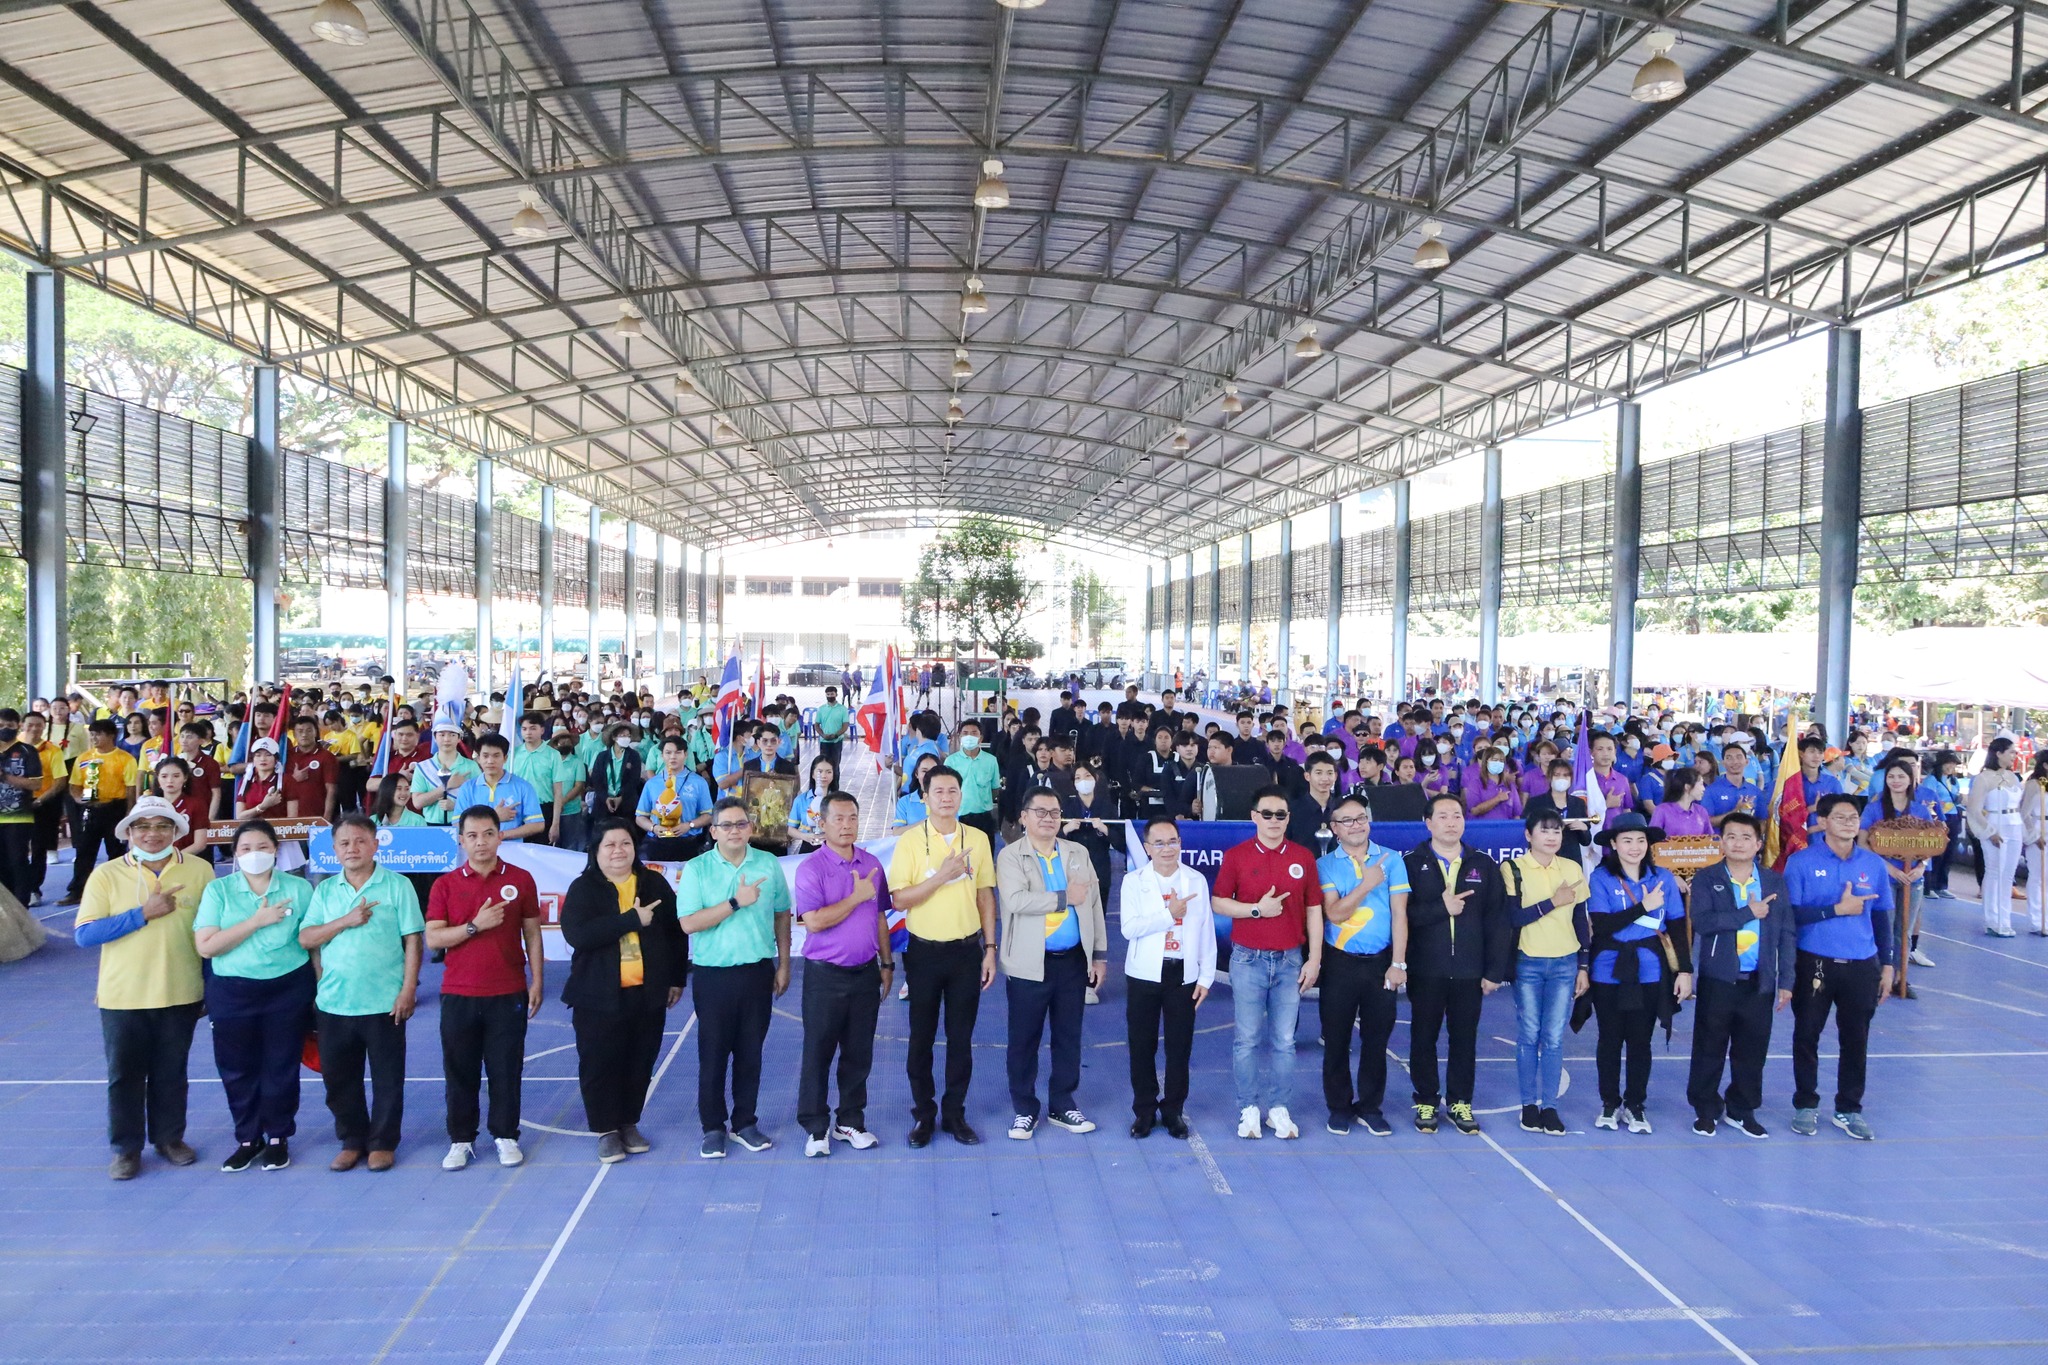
274	949
831	722
573	770
362	968
541	767
426	776
980	775
749	935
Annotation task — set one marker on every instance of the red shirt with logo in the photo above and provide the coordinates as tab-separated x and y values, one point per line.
1249	871
494	962
307	774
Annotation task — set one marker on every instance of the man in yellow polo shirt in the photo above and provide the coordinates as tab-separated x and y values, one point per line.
943	876
138	911
103	780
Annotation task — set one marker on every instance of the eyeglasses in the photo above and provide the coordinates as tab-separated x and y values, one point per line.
1270	814
1162	845
731	826
1349	822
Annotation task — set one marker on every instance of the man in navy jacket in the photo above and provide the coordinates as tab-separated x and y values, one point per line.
1745	960
1460	949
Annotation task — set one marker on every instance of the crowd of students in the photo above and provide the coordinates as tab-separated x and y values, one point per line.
1001	866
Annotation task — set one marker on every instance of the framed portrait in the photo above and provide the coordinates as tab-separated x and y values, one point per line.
769	797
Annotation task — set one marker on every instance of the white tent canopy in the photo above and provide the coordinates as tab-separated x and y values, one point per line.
1963	665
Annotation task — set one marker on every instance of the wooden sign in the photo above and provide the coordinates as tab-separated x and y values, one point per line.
288	831
1686	854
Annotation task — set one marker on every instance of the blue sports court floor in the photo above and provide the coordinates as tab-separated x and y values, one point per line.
1930	1244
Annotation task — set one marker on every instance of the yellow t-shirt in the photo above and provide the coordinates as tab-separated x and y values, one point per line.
341	743
157	965
110	774
951	911
54	767
632	968
1552	935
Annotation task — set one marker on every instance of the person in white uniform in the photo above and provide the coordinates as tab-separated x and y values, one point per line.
1168	969
1993	807
2034	826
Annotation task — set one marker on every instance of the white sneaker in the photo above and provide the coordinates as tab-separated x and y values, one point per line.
903	991
818	1146
1920	958
860	1139
1281	1122
459	1154
509	1153
1091	997
1248	1121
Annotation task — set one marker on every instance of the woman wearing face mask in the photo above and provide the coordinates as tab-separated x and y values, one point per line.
1534	778
1441	773
616	775
259	996
174	784
1492	786
1087	810
805	832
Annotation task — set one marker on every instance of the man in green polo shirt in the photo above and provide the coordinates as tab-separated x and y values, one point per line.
980	778
734	905
365	929
832	720
534	759
574	776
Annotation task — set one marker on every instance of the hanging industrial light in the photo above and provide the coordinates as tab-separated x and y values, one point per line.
1660	79
723	426
340	21
1180	440
1432	254
686	384
962	366
954	412
973	300
529	222
1308	348
991	192
628	326
1020	4
1232	404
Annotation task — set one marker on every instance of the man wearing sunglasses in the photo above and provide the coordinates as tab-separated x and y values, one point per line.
1269	889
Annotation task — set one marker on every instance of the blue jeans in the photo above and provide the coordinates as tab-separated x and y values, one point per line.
1265	988
1543	1006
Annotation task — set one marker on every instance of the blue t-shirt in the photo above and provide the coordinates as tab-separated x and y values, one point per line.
1723	796
1062	927
692	798
511	789
910	809
1370	929
1814	878
1823	784
1611	893
1751	933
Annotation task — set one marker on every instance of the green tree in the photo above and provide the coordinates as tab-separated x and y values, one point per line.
1096	609
972	580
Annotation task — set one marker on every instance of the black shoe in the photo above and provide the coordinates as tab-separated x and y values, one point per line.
242	1158
276	1155
1176	1125
962	1132
1141	1126
752	1138
1704	1126
632	1141
920	1134
712	1148
1749	1127
1425	1118
1532	1119
177	1153
124	1166
1340	1124
73	898
1551	1124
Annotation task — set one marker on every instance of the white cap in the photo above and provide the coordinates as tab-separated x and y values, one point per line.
263	745
154	808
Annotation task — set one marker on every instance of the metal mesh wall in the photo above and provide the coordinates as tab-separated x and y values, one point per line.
515	556
1558	543
1444	561
440	554
1312	580
153	491
1369	572
333	523
611	565
1231	589
1205	593
643	587
10	469
572	570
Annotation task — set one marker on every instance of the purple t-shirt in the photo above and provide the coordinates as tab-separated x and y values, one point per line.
824	878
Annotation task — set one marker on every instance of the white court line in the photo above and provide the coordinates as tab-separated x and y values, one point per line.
1207	1160
1965	943
547	1052
1405	1321
1979	1000
1860	1221
540	1277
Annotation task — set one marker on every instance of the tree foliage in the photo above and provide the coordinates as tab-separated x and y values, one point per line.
971	591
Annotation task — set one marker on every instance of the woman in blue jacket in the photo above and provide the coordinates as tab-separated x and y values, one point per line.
1642	966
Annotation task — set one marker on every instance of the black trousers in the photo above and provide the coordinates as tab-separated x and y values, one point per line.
348	1044
1850	990
985	821
615	1055
829	748
17	860
49	819
259	1036
146	1055
1148	1004
1619	1029
479	1034
1433	1000
1061	997
734	1005
1354	994
944	973
92	829
840	1005
1729	1019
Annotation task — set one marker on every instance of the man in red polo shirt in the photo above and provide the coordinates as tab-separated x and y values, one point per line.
310	769
195	746
486	916
1269	889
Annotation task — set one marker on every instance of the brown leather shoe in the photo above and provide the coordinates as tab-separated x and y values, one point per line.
178	1153
124	1166
345	1159
383	1161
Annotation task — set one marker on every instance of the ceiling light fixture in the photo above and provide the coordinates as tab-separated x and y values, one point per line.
340	21
723	426
962	366
1232	404
1308	348
529	223
1659	80
1020	4
628	326
1432	254
954	412
973	300
991	192
1180	440
686	384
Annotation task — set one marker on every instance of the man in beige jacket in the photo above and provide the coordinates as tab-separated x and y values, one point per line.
1055	948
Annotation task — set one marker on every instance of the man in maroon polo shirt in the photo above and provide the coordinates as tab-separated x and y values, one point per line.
1269	889
310	769
486	916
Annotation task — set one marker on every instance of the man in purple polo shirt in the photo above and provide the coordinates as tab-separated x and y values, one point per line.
842	900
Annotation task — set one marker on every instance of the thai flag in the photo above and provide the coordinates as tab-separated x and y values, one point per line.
515	706
380	765
876	717
726	708
892	722
280	730
1585	781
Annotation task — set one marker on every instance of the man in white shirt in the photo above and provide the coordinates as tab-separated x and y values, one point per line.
1168	969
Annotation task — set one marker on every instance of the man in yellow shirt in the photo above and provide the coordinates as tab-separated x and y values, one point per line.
138	911
351	765
943	876
103	782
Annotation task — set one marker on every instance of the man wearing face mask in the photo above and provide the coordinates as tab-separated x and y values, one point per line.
981	777
138	911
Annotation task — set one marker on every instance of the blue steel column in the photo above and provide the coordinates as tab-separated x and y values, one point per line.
265	488
1491	533
547	578
1244	606
397	535
631	644
593	595
1841	509
486	581
44	515
1403	581
1628	538
1147	665
1335	623
1284	639
1215	614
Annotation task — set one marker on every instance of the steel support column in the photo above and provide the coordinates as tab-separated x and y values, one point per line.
1244	606
682	607
1335	621
547	578
704	614
593	596
630	646
1146	667
1187	630
266	489
397	534
44	514
1216	614
660	615
1628	543
1283	646
1841	511
1166	624
486	581
1491	533
1404	564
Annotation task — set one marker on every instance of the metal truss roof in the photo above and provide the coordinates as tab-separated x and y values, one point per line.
782	190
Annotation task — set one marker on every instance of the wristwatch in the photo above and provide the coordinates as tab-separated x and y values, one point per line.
469	930
888	964
1397	966
1255	911
734	902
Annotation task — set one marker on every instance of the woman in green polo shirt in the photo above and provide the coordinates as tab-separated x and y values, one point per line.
259	995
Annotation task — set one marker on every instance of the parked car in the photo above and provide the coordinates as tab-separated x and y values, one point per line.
815	675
